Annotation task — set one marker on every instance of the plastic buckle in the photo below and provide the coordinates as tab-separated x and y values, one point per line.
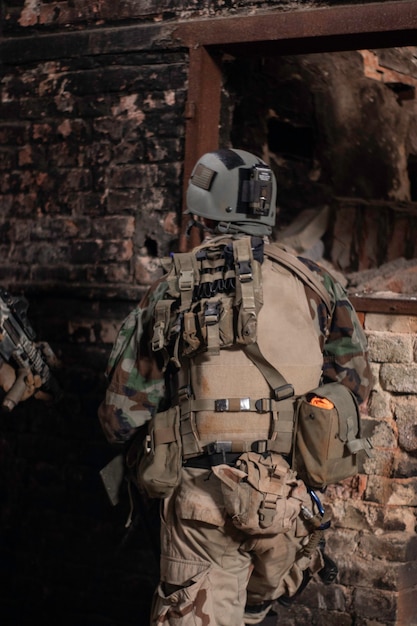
218	447
260	446
263	405
244	271
157	342
266	512
212	312
283	392
186	280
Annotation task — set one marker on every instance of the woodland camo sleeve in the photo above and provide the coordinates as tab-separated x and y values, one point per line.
345	350
135	382
344	344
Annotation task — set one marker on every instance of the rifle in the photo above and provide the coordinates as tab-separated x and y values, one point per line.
17	347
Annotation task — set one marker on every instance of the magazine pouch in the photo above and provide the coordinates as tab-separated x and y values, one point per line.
327	435
159	471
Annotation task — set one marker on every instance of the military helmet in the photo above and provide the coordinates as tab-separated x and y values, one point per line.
234	188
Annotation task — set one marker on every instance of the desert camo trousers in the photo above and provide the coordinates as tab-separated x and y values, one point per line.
210	571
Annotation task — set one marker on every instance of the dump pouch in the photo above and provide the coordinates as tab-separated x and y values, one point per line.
159	471
257	493
327	435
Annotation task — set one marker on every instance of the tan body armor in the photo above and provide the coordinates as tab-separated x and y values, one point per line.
248	363
228	380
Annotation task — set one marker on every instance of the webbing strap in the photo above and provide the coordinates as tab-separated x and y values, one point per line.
185	264
356	445
350	433
282	434
306	275
227	405
191	341
160	328
272	376
283	418
212	312
245	290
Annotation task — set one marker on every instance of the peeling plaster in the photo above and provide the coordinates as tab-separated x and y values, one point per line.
149	101
127	106
30	13
169	97
65	128
25	156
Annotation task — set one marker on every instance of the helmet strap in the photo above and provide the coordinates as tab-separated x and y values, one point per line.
248	228
192	223
227	227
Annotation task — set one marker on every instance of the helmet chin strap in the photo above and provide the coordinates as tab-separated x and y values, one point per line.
245	228
228	227
196	224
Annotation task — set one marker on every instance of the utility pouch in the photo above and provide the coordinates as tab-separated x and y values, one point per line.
257	493
159	471
327	436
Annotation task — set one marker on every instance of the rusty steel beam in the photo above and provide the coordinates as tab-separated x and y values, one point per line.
202	118
359	20
402	305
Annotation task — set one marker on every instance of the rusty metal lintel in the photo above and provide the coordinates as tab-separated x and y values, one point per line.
384	305
356	20
202	117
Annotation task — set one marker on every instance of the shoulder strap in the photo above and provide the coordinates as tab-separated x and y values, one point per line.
274	378
303	272
282	406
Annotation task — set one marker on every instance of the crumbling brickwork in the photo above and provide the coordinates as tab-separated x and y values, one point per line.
24	14
90	168
373	524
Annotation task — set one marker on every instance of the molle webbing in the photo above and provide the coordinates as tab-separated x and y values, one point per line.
187	275
279	439
245	291
213	296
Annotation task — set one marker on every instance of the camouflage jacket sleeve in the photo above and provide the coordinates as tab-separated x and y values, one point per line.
135	380
344	343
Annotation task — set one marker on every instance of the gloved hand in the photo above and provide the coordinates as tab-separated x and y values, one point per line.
32	384
7	376
19	386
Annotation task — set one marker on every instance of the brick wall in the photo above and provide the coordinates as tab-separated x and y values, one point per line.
91	151
91	154
50	15
373	533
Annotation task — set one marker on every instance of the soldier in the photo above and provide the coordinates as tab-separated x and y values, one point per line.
223	346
